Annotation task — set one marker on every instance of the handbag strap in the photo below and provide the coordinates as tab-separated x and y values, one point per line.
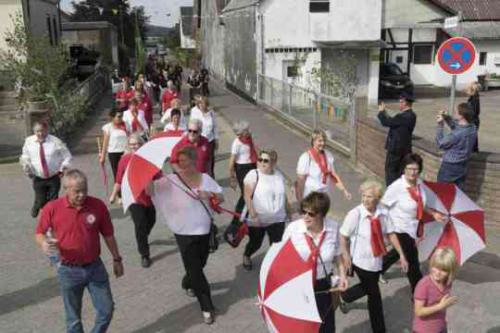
256	183
198	199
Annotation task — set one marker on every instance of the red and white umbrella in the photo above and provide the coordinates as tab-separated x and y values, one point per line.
146	162
464	230
286	294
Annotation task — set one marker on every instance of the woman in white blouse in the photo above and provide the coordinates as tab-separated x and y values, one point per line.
405	201
209	130
135	120
316	171
174	125
166	118
182	202
267	203
317	239
243	159
115	137
363	247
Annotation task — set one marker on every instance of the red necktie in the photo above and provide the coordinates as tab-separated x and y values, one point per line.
417	197
43	161
313	258
320	159
377	239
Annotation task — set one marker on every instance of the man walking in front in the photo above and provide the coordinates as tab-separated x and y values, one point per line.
44	159
457	145
398	143
75	222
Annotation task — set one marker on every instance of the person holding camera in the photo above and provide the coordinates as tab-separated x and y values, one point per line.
363	247
317	239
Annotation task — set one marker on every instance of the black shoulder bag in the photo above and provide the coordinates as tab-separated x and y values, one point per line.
213	242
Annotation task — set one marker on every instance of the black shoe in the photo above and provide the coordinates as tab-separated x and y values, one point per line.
247	263
34	212
145	262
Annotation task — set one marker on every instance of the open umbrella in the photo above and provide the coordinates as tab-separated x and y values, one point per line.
464	230
146	162
286	294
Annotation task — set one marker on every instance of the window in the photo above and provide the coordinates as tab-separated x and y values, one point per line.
422	54
319	6
292	71
49	29
399	59
54	27
482	58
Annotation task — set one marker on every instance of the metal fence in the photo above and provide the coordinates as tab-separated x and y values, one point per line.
309	108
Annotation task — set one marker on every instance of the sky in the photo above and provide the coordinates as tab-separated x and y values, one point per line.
156	9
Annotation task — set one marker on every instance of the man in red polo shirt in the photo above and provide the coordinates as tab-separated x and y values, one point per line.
75	222
168	96
194	139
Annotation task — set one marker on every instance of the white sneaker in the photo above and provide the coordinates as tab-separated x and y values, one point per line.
208	318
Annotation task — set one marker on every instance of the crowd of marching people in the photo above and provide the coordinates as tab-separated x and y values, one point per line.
187	198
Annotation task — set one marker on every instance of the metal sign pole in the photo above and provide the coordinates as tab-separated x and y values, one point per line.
452	93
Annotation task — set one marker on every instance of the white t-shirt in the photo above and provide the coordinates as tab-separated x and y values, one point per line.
314	180
241	152
357	227
209	129
401	208
165	119
269	200
128	118
330	247
117	138
181	213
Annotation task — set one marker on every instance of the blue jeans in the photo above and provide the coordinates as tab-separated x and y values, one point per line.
453	173
73	281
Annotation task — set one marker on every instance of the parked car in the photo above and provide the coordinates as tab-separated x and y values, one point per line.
392	81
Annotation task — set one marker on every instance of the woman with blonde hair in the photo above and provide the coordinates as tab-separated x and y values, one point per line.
363	247
432	295
316	170
472	90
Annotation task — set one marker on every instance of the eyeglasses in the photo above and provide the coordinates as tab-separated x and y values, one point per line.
193	131
308	213
263	160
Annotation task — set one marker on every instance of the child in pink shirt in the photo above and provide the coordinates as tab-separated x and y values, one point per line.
432	294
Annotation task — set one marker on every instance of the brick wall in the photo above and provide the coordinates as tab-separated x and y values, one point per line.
483	179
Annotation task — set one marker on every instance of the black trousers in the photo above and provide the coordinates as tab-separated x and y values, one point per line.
211	166
241	171
368	286
45	190
114	159
325	306
393	166
409	247
194	253
144	219
256	236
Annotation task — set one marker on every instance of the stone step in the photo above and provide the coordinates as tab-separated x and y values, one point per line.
10	116
8	100
8	94
8	108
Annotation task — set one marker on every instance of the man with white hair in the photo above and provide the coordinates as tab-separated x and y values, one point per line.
75	222
193	138
44	159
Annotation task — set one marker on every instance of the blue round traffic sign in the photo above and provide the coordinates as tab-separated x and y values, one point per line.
456	55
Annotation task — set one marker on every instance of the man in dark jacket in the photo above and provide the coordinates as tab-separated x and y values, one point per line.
398	143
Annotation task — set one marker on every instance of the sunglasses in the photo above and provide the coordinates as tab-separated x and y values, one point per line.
308	213
193	131
263	160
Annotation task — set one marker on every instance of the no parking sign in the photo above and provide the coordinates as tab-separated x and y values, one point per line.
456	55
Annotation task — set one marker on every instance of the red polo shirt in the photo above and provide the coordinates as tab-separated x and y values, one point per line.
143	198
126	95
76	230
202	151
168	97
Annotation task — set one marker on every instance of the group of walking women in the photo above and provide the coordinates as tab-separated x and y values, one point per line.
186	200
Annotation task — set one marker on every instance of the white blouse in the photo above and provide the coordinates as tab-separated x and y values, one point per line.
269	200
181	213
209	129
165	119
330	247
401	208
314	180
117	138
128	118
357	227
241	152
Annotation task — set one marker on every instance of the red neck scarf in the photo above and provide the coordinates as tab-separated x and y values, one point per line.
122	126
315	252
247	140
417	197
377	238
320	159
136	125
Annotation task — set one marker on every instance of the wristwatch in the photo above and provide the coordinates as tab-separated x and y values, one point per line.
117	259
